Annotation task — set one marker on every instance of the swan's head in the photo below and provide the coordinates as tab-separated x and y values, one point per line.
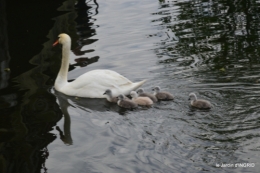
156	89
133	94
192	96
62	39
140	91
108	92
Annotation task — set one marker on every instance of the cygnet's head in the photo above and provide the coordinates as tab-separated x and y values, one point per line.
108	92
140	91
62	39
133	94
156	89
121	97
192	96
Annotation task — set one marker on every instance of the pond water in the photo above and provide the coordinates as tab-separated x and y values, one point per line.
210	48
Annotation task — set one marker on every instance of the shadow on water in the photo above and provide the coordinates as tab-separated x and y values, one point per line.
28	110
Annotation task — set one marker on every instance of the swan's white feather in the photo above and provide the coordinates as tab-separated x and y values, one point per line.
94	83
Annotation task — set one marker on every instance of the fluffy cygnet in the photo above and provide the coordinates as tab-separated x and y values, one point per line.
162	95
109	96
143	101
141	93
126	103
199	103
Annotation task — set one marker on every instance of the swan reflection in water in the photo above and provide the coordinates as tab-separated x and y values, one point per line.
86	104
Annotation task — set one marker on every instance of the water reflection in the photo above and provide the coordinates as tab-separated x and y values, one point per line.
212	48
31	110
231	31
83	62
7	99
87	104
64	104
85	25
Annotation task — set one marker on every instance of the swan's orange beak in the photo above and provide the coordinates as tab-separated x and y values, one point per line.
55	43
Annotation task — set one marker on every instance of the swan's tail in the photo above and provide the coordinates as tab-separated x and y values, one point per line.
127	89
138	84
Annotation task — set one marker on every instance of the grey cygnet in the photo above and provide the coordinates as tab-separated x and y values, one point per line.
141	93
126	103
162	95
143	101
199	103
109	96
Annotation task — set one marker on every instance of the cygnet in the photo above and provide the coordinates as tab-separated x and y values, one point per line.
109	96
199	103
143	101
141	93
126	103
162	95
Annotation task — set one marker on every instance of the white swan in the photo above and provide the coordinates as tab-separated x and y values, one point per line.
92	84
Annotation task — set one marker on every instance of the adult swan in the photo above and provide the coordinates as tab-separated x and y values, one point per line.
92	84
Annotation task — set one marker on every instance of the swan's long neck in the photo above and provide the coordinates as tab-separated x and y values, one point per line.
62	77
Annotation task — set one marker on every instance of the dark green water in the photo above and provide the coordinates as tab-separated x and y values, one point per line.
210	48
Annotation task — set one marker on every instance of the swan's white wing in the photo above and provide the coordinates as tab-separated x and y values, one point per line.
94	83
100	77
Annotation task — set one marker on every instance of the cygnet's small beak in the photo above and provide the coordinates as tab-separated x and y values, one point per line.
55	43
188	98
105	93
